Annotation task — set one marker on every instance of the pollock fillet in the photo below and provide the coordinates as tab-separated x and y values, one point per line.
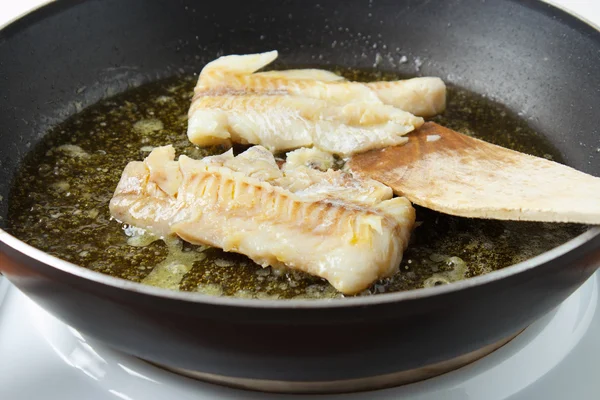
284	110
423	96
283	122
348	231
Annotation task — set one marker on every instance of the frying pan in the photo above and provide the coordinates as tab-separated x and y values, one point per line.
531	56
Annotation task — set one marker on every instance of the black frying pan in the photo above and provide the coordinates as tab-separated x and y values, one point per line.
529	55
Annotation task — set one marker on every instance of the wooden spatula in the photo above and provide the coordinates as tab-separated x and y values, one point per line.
455	174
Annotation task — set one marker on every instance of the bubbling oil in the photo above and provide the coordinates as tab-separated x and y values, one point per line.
59	203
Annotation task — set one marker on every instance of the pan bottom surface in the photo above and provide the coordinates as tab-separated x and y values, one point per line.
345	386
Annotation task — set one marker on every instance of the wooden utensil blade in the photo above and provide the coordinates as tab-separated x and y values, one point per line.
453	173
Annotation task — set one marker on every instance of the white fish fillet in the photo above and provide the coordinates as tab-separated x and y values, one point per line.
423	96
313	158
283	122
307	73
284	110
307	173
337	92
351	235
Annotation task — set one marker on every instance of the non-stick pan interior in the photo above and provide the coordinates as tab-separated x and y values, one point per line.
534	58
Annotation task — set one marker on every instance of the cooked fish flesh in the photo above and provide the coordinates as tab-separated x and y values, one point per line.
313	158
284	110
348	231
244	64
308	172
235	74
283	122
307	73
424	97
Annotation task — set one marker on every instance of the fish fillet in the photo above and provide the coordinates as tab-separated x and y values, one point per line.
351	234
282	122
284	110
308	73
423	96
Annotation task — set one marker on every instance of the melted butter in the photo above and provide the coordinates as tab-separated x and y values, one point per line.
148	126
457	271
167	275
59	203
179	261
210	289
71	150
138	237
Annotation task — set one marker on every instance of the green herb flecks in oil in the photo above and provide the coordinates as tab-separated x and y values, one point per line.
59	203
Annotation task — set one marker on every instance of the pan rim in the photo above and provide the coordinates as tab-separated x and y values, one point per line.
591	236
